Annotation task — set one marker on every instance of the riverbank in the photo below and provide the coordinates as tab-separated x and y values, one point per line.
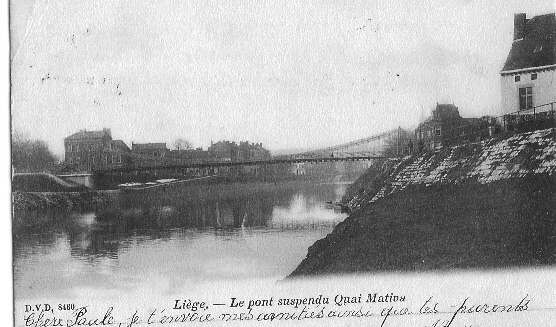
194	190
52	200
483	205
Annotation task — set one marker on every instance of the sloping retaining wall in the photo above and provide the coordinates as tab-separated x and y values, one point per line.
518	156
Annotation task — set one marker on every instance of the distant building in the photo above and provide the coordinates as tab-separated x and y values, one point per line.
149	150
224	151
89	150
444	127
528	78
188	156
252	152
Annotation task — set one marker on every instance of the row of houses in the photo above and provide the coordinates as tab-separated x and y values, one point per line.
528	89
90	150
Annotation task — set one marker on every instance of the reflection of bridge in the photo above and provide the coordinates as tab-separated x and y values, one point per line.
368	148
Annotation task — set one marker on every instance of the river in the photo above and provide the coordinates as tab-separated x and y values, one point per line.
145	242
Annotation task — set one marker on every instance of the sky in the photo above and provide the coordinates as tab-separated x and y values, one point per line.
287	73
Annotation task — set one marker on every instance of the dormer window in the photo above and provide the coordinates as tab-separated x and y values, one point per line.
533	76
517	78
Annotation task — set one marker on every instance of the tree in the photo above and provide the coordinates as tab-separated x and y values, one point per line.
31	155
182	144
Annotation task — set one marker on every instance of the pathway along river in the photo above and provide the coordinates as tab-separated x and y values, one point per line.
155	242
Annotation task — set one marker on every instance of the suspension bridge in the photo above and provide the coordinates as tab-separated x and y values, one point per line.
315	163
368	148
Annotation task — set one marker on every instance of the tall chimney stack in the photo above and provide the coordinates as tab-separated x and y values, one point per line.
520	21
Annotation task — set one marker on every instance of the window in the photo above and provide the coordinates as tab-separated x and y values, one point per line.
525	98
517	78
437	131
533	76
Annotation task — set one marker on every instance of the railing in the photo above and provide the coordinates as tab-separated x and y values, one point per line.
538	117
535	118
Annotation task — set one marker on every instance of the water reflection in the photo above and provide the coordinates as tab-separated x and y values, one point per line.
163	240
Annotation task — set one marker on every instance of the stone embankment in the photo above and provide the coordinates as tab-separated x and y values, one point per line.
492	160
486	204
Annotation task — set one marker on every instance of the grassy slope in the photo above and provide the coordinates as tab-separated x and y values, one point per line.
505	223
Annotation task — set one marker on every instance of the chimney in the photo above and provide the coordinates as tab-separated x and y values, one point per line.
107	131
520	21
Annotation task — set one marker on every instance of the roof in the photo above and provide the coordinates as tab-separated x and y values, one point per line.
537	48
87	135
148	146
119	144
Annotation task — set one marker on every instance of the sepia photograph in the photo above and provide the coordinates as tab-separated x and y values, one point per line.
322	162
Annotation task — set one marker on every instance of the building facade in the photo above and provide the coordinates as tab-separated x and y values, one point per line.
149	150
223	151
90	150
445	127
226	151
252	152
528	78
188	156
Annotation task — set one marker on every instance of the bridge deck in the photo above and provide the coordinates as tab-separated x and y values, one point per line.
236	163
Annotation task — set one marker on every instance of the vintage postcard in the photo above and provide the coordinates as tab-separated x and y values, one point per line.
315	163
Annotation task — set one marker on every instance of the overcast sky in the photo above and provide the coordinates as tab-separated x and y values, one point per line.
289	74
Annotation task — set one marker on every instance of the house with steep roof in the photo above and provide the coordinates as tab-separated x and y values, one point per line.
528	78
89	150
444	127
